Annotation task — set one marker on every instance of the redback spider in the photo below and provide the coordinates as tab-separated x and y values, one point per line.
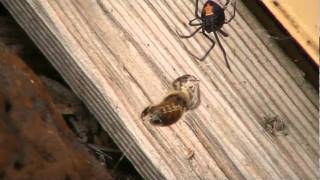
211	20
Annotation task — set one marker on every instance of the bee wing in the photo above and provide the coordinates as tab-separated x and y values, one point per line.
195	100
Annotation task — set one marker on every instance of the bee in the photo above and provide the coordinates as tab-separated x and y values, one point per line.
185	96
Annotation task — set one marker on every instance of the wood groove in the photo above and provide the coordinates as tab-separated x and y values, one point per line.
119	56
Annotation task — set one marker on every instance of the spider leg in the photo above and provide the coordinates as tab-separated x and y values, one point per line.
196	10
194	24
189	36
234	12
226	4
223	51
212	45
223	33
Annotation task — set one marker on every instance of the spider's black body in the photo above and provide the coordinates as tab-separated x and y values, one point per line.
212	16
211	20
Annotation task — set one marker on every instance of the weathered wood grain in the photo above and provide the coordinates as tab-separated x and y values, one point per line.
120	56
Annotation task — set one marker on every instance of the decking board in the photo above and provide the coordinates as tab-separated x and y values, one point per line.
120	56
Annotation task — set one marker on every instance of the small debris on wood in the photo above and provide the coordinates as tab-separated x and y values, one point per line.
275	126
190	153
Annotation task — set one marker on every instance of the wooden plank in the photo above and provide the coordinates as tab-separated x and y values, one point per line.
120	56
